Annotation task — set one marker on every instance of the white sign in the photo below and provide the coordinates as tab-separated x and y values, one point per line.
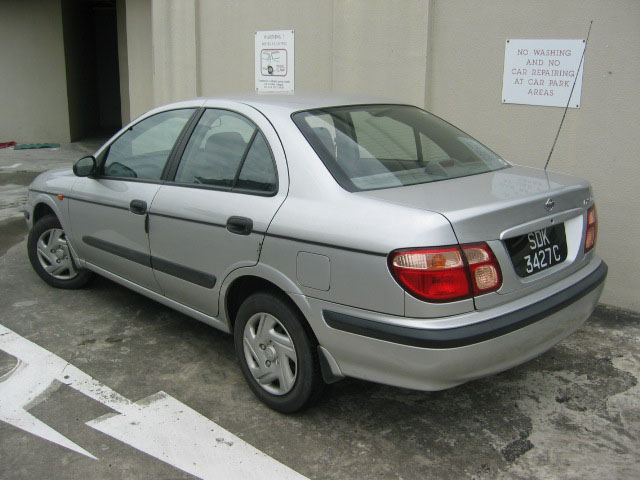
542	72
275	61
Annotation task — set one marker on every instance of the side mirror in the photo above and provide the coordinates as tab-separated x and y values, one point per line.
85	167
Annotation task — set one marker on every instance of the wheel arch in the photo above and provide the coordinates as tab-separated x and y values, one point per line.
44	204
68	275
41	210
245	281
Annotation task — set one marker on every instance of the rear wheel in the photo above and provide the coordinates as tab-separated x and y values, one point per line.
278	358
50	255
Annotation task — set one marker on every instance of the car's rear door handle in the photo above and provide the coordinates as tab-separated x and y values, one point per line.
139	207
240	225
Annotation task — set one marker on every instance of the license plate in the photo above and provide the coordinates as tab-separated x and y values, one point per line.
536	251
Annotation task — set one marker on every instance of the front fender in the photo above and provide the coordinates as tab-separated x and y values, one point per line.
59	207
45	190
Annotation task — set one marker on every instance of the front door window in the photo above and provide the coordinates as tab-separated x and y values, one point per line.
142	151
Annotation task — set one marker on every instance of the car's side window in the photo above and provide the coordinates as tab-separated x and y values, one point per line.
257	172
227	150
142	151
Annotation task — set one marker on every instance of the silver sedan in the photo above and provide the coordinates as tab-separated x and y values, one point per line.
333	237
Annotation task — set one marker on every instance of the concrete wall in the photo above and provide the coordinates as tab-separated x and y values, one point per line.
380	48
358	46
173	27
226	42
598	141
33	88
135	57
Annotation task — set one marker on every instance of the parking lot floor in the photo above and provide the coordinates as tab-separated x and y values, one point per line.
573	412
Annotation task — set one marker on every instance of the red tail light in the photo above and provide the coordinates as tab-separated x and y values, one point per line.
592	229
446	274
483	268
437	275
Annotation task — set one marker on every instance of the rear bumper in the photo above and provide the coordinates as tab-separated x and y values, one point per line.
433	355
474	333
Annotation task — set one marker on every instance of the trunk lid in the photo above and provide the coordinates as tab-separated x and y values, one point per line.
482	207
497	206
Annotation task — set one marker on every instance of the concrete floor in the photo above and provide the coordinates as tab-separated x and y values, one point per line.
574	412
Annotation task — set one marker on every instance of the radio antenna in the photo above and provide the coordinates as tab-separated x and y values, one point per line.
570	95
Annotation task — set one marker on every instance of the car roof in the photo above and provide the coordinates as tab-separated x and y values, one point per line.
295	102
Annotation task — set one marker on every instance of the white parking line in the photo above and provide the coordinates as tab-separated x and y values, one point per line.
9	167
158	425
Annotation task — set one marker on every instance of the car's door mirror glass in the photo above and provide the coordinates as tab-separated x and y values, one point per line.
85	166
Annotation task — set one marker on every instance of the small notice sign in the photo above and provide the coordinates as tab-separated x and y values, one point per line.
542	72
274	61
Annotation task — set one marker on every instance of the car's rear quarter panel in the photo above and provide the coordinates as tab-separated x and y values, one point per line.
355	233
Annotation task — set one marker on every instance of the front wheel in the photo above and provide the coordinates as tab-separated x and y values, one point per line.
278	358
50	255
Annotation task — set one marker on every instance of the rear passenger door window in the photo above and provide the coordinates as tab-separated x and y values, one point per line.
227	151
258	172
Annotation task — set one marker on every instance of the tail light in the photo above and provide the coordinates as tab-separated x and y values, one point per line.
592	229
483	268
446	274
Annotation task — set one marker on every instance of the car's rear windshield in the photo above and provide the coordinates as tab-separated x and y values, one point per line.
368	147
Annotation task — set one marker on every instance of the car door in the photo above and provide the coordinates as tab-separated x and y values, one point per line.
209	218
108	211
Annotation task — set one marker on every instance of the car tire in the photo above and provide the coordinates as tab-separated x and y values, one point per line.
50	255
277	356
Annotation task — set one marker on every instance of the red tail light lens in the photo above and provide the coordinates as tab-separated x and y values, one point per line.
443	275
437	275
592	229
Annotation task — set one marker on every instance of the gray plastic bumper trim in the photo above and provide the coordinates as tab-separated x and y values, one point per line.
469	334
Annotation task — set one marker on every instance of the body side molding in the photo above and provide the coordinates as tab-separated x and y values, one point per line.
182	272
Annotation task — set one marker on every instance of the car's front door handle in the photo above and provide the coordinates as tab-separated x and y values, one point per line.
139	207
240	225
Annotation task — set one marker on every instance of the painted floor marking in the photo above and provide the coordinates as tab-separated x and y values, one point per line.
22	387
158	425
8	167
